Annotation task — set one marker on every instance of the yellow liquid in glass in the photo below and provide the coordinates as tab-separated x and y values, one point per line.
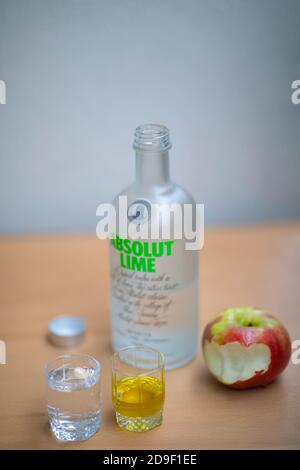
136	397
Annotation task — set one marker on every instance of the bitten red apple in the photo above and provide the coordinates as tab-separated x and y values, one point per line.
245	347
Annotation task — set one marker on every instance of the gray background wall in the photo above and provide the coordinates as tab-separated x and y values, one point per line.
81	74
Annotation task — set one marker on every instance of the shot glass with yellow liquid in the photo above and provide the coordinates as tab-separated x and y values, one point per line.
138	388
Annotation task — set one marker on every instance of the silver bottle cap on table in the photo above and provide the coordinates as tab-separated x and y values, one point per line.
66	330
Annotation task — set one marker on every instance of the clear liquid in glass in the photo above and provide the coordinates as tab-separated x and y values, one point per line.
74	402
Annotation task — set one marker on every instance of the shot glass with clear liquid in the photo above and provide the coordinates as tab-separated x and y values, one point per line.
73	396
138	388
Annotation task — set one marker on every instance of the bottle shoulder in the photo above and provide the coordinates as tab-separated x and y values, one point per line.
183	194
166	194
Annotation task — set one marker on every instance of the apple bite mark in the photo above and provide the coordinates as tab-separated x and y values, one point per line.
232	362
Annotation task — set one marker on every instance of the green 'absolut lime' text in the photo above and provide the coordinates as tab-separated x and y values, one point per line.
141	256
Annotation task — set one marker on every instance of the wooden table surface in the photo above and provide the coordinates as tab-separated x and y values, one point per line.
41	277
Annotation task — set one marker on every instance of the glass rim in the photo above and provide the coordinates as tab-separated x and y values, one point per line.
161	359
68	356
152	136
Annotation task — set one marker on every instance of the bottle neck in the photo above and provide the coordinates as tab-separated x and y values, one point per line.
152	167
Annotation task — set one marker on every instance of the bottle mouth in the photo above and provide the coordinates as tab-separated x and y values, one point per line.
152	137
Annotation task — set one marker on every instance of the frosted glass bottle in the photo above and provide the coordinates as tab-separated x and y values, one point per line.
159	308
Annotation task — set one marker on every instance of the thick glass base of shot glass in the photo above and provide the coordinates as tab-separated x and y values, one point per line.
139	424
66	428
